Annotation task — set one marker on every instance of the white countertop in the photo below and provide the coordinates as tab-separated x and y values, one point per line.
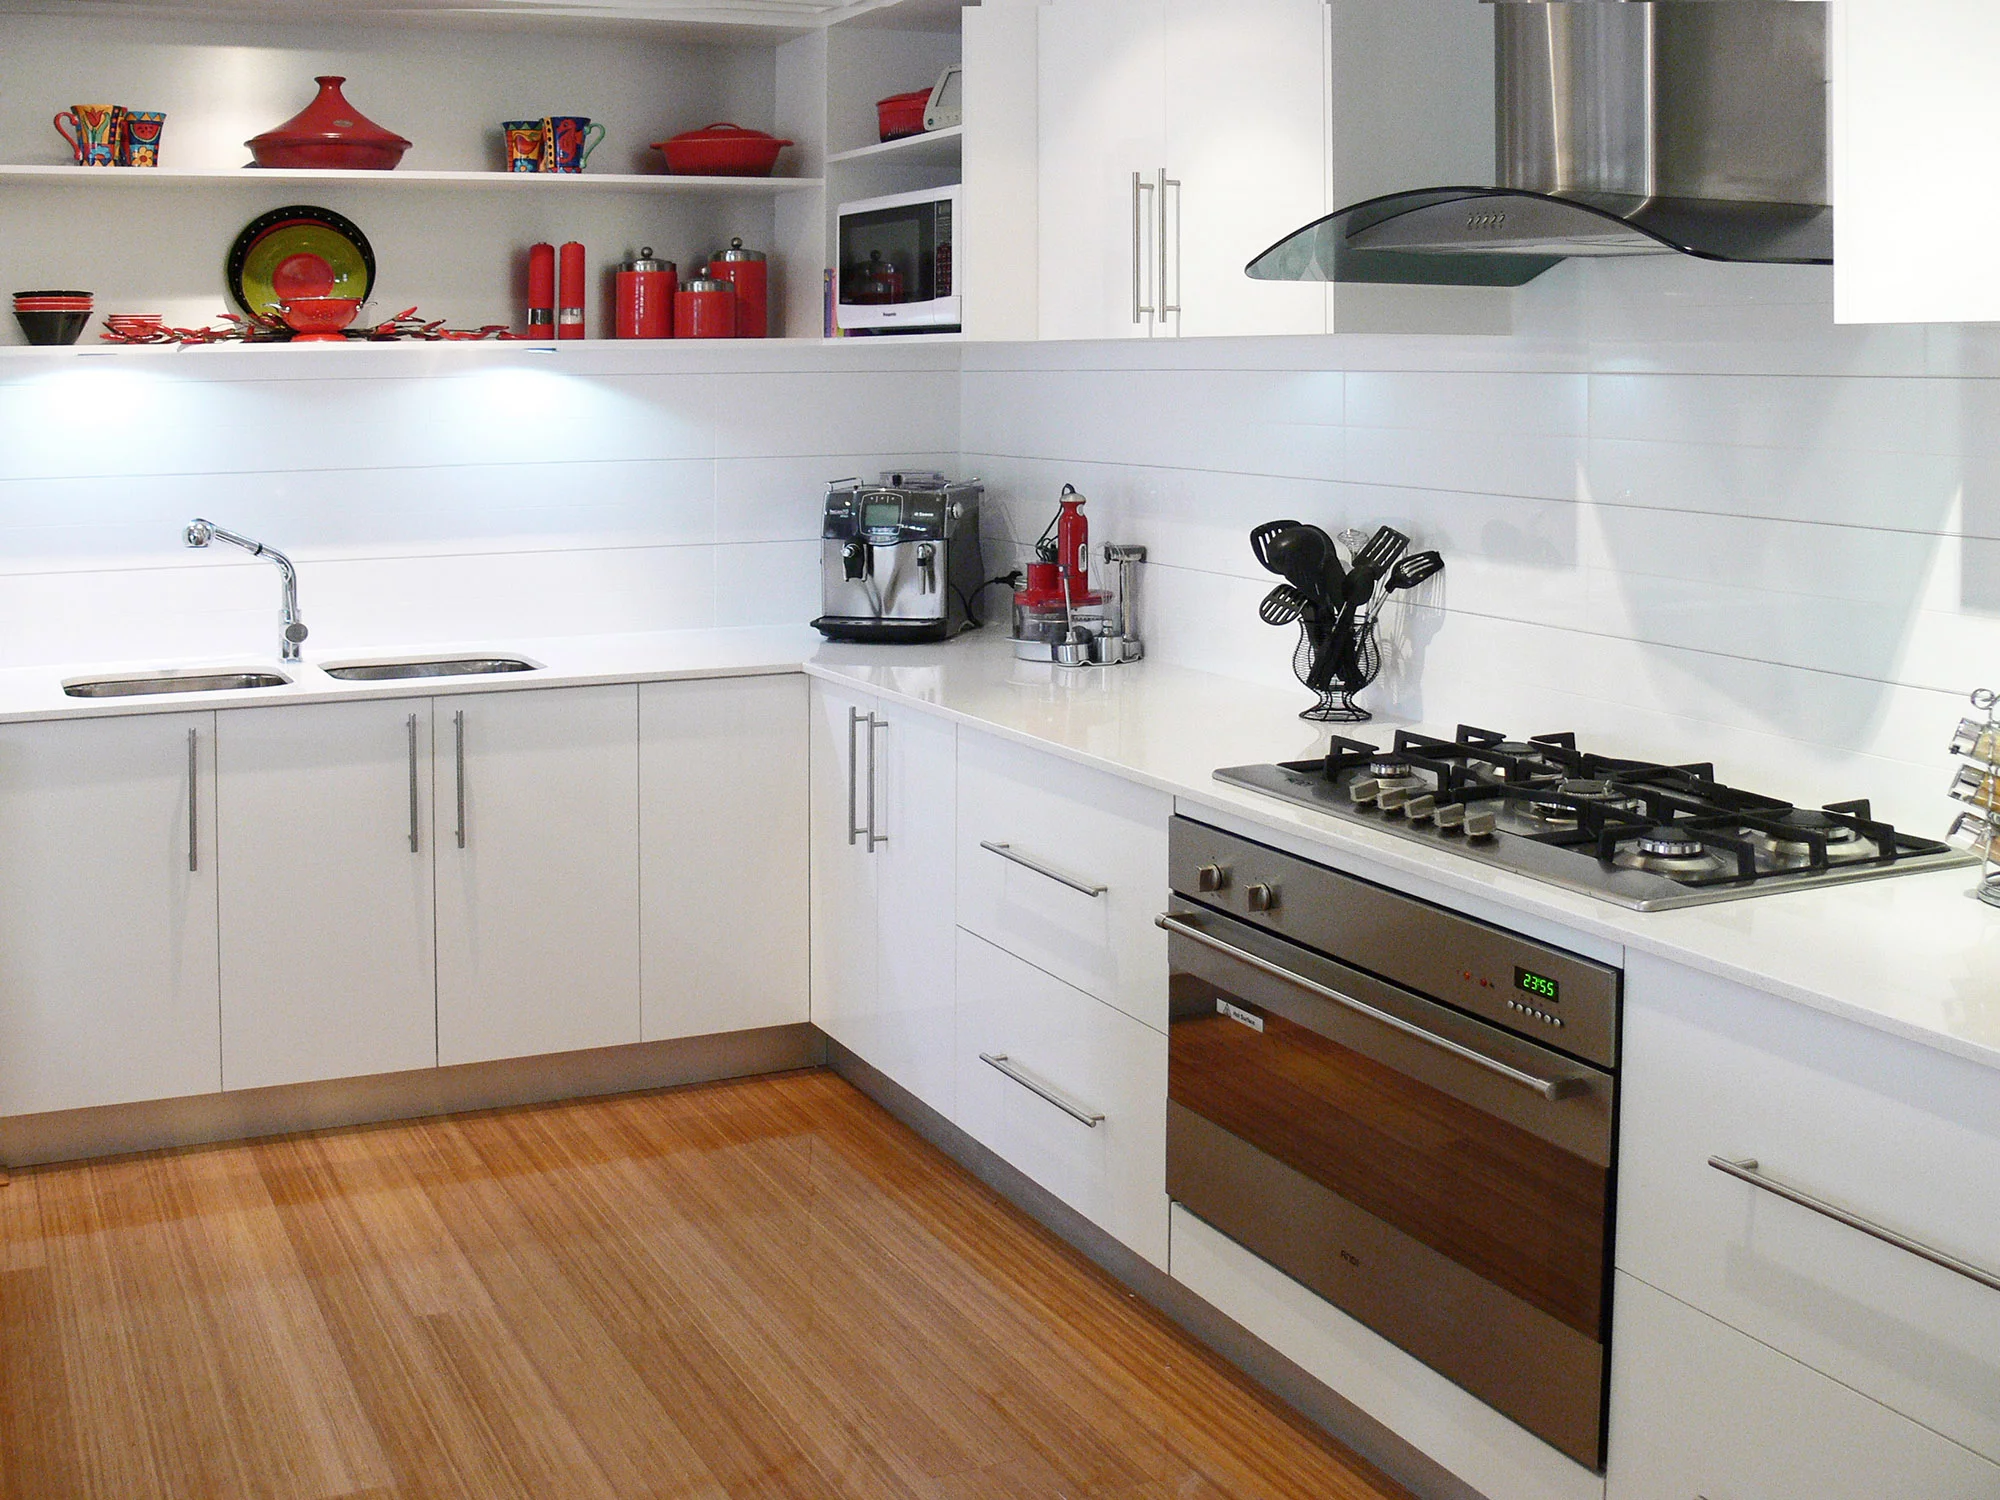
1917	956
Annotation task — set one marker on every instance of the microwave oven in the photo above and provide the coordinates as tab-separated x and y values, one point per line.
897	270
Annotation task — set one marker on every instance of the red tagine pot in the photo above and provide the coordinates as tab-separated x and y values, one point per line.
721	150
329	132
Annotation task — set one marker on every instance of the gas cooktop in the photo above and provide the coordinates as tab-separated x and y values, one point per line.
1645	836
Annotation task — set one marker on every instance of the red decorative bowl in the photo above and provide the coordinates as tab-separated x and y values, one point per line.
319	320
329	132
721	150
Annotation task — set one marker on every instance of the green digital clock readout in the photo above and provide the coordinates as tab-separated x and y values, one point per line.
1539	985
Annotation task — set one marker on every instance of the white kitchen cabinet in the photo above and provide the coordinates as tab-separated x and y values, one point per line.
1872	1125
1065	867
724	932
1702	1412
1067	1089
108	989
1916	136
1102	143
537	835
325	891
883	805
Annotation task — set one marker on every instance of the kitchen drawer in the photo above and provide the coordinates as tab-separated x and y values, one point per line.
1894	1132
1702	1412
1065	867
1066	1056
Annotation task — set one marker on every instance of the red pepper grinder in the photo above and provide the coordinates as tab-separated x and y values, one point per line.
570	292
750	273
705	309
646	289
542	291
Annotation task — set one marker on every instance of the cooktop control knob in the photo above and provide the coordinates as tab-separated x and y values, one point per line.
1210	878
1450	817
1481	825
1393	798
1364	793
1262	897
1420	809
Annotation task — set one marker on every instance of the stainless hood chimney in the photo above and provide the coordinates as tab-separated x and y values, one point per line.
1626	127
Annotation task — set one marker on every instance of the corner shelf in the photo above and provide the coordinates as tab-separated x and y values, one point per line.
934	148
573	182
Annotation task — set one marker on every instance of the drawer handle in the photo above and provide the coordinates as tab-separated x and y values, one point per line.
1747	1171
1000	1064
1007	852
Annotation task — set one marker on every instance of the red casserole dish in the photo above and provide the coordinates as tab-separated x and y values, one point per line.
721	150
903	114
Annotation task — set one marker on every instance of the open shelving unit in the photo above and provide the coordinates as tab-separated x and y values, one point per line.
570	182
936	148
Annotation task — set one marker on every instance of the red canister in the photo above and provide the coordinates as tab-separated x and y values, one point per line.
646	290
705	309
750	273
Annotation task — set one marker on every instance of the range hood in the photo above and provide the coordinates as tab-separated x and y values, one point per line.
1625	127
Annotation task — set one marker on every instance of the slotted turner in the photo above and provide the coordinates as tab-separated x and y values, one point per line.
1414	569
1260	541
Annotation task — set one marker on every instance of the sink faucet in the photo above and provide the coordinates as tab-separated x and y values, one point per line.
200	533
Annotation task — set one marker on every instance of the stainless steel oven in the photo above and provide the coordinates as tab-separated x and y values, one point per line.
1409	1111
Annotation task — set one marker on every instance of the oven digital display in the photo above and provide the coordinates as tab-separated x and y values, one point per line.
881	515
1539	985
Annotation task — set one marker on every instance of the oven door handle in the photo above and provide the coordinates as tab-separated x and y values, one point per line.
1551	1089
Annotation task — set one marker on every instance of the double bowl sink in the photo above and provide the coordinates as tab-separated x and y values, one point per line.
229	682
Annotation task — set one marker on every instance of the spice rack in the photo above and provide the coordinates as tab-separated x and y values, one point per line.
1978	785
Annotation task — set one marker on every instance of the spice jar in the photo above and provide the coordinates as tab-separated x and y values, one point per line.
749	272
705	309
646	290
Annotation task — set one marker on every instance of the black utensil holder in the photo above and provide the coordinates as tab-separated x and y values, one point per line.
1336	702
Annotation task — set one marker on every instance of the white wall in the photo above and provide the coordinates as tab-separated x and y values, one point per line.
1683	513
436	495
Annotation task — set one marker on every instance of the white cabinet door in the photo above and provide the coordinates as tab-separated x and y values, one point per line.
1916	136
724	931
843	871
1102	119
538	872
107	936
1700	1410
326	914
1246	114
1067	1089
916	771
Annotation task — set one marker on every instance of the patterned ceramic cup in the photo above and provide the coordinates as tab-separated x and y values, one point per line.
141	146
567	142
524	144
99	132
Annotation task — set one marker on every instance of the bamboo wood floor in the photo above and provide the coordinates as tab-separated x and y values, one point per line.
766	1288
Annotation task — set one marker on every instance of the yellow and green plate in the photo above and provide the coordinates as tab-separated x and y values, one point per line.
299	251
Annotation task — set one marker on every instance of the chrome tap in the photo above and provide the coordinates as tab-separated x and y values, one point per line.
200	533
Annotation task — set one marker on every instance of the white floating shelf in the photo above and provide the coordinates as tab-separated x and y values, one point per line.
935	148
572	182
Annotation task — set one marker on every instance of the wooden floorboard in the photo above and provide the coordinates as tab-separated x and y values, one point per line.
764	1289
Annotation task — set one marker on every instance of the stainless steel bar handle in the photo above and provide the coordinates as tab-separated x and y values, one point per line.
1170	308
1746	1170
194	794
1551	1089
415	846
1141	308
1000	1064
1007	852
458	726
874	838
854	829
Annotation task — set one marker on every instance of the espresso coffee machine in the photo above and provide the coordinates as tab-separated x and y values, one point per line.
900	560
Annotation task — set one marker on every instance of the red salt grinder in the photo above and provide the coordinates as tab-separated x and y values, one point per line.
570	293
542	291
646	289
750	272
705	308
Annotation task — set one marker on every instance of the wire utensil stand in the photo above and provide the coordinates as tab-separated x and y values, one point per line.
1338	682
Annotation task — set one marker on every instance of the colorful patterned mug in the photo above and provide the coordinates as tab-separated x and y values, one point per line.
141	146
100	131
567	142
524	144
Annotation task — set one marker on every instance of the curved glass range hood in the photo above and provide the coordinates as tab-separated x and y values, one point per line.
1643	127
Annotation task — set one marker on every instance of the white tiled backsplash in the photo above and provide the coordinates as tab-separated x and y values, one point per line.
1683	513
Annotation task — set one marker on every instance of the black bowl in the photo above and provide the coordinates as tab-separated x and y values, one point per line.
52	327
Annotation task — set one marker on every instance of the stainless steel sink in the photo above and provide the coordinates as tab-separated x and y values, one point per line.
172	682
460	666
